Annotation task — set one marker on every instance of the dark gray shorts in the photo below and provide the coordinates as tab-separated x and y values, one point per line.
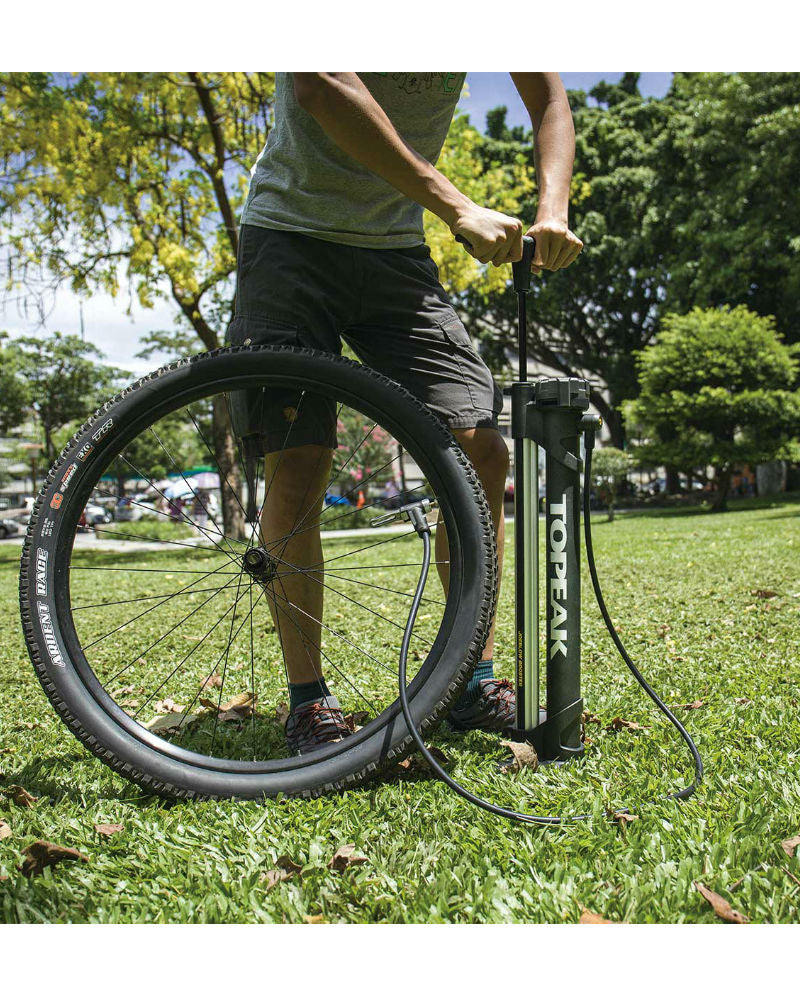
388	305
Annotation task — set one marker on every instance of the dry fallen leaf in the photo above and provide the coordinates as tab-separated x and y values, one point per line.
764	593
42	854
523	756
722	907
692	704
285	869
214	681
417	763
355	720
28	725
589	718
345	857
623	818
167	705
239	707
317	918
742	701
172	720
5	829
109	829
587	917
618	723
791	845
19	796
282	713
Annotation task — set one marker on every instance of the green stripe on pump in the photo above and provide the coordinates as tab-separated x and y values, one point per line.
530	527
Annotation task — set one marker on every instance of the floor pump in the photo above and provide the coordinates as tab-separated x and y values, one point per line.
551	414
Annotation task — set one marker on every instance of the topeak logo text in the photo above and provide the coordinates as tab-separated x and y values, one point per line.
558	582
49	635
41	572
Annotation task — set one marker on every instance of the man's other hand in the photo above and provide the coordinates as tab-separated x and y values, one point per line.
556	245
493	237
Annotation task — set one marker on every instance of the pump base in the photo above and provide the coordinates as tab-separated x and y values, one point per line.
547	736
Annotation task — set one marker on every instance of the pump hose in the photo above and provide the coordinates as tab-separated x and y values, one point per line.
423	530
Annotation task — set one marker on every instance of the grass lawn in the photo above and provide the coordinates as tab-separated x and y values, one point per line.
681	587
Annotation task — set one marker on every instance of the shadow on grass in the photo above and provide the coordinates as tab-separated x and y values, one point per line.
50	786
693	510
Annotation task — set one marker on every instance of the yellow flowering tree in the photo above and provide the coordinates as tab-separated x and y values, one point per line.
134	181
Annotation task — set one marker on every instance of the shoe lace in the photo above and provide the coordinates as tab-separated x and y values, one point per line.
501	689
320	720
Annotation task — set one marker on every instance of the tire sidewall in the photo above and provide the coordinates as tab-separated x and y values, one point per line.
44	590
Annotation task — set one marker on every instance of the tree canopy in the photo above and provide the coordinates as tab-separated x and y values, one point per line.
718	387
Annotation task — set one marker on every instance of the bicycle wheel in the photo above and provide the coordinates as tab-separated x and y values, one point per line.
163	650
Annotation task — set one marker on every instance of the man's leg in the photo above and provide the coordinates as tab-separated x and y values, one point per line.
296	480
487	450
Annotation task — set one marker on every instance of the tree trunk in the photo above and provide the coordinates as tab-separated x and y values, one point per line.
230	478
722	482
770	478
252	487
673	480
611	418
401	464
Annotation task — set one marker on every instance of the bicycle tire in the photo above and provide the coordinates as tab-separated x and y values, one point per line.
91	714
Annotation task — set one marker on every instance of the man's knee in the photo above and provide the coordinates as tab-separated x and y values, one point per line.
487	450
296	475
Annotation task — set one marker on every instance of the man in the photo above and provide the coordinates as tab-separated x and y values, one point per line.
332	246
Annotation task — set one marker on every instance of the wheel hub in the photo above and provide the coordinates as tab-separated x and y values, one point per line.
260	564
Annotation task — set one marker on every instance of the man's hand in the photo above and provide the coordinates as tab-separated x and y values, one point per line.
556	245
492	236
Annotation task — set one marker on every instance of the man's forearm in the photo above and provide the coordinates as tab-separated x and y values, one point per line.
554	139
348	113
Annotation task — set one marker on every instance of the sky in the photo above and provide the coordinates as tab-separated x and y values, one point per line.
118	335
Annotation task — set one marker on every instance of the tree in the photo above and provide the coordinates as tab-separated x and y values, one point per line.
15	391
135	180
610	466
718	387
59	382
730	160
170	447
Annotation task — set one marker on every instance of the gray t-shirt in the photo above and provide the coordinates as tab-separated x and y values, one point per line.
304	182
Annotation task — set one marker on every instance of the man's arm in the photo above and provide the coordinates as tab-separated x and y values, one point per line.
344	108
554	152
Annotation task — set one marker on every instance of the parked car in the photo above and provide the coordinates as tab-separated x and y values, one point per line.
95	514
8	528
127	510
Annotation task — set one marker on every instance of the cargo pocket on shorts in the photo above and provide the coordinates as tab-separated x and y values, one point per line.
469	365
245	330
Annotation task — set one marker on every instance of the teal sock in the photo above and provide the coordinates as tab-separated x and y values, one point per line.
299	694
483	672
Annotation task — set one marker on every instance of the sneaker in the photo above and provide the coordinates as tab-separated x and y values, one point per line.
493	711
314	724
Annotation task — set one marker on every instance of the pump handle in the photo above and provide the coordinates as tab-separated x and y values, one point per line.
521	268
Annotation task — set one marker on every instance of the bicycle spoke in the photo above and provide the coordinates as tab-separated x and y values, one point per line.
175	669
375	586
194	494
220	473
225	666
146	612
325	656
212	671
155	597
165	635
